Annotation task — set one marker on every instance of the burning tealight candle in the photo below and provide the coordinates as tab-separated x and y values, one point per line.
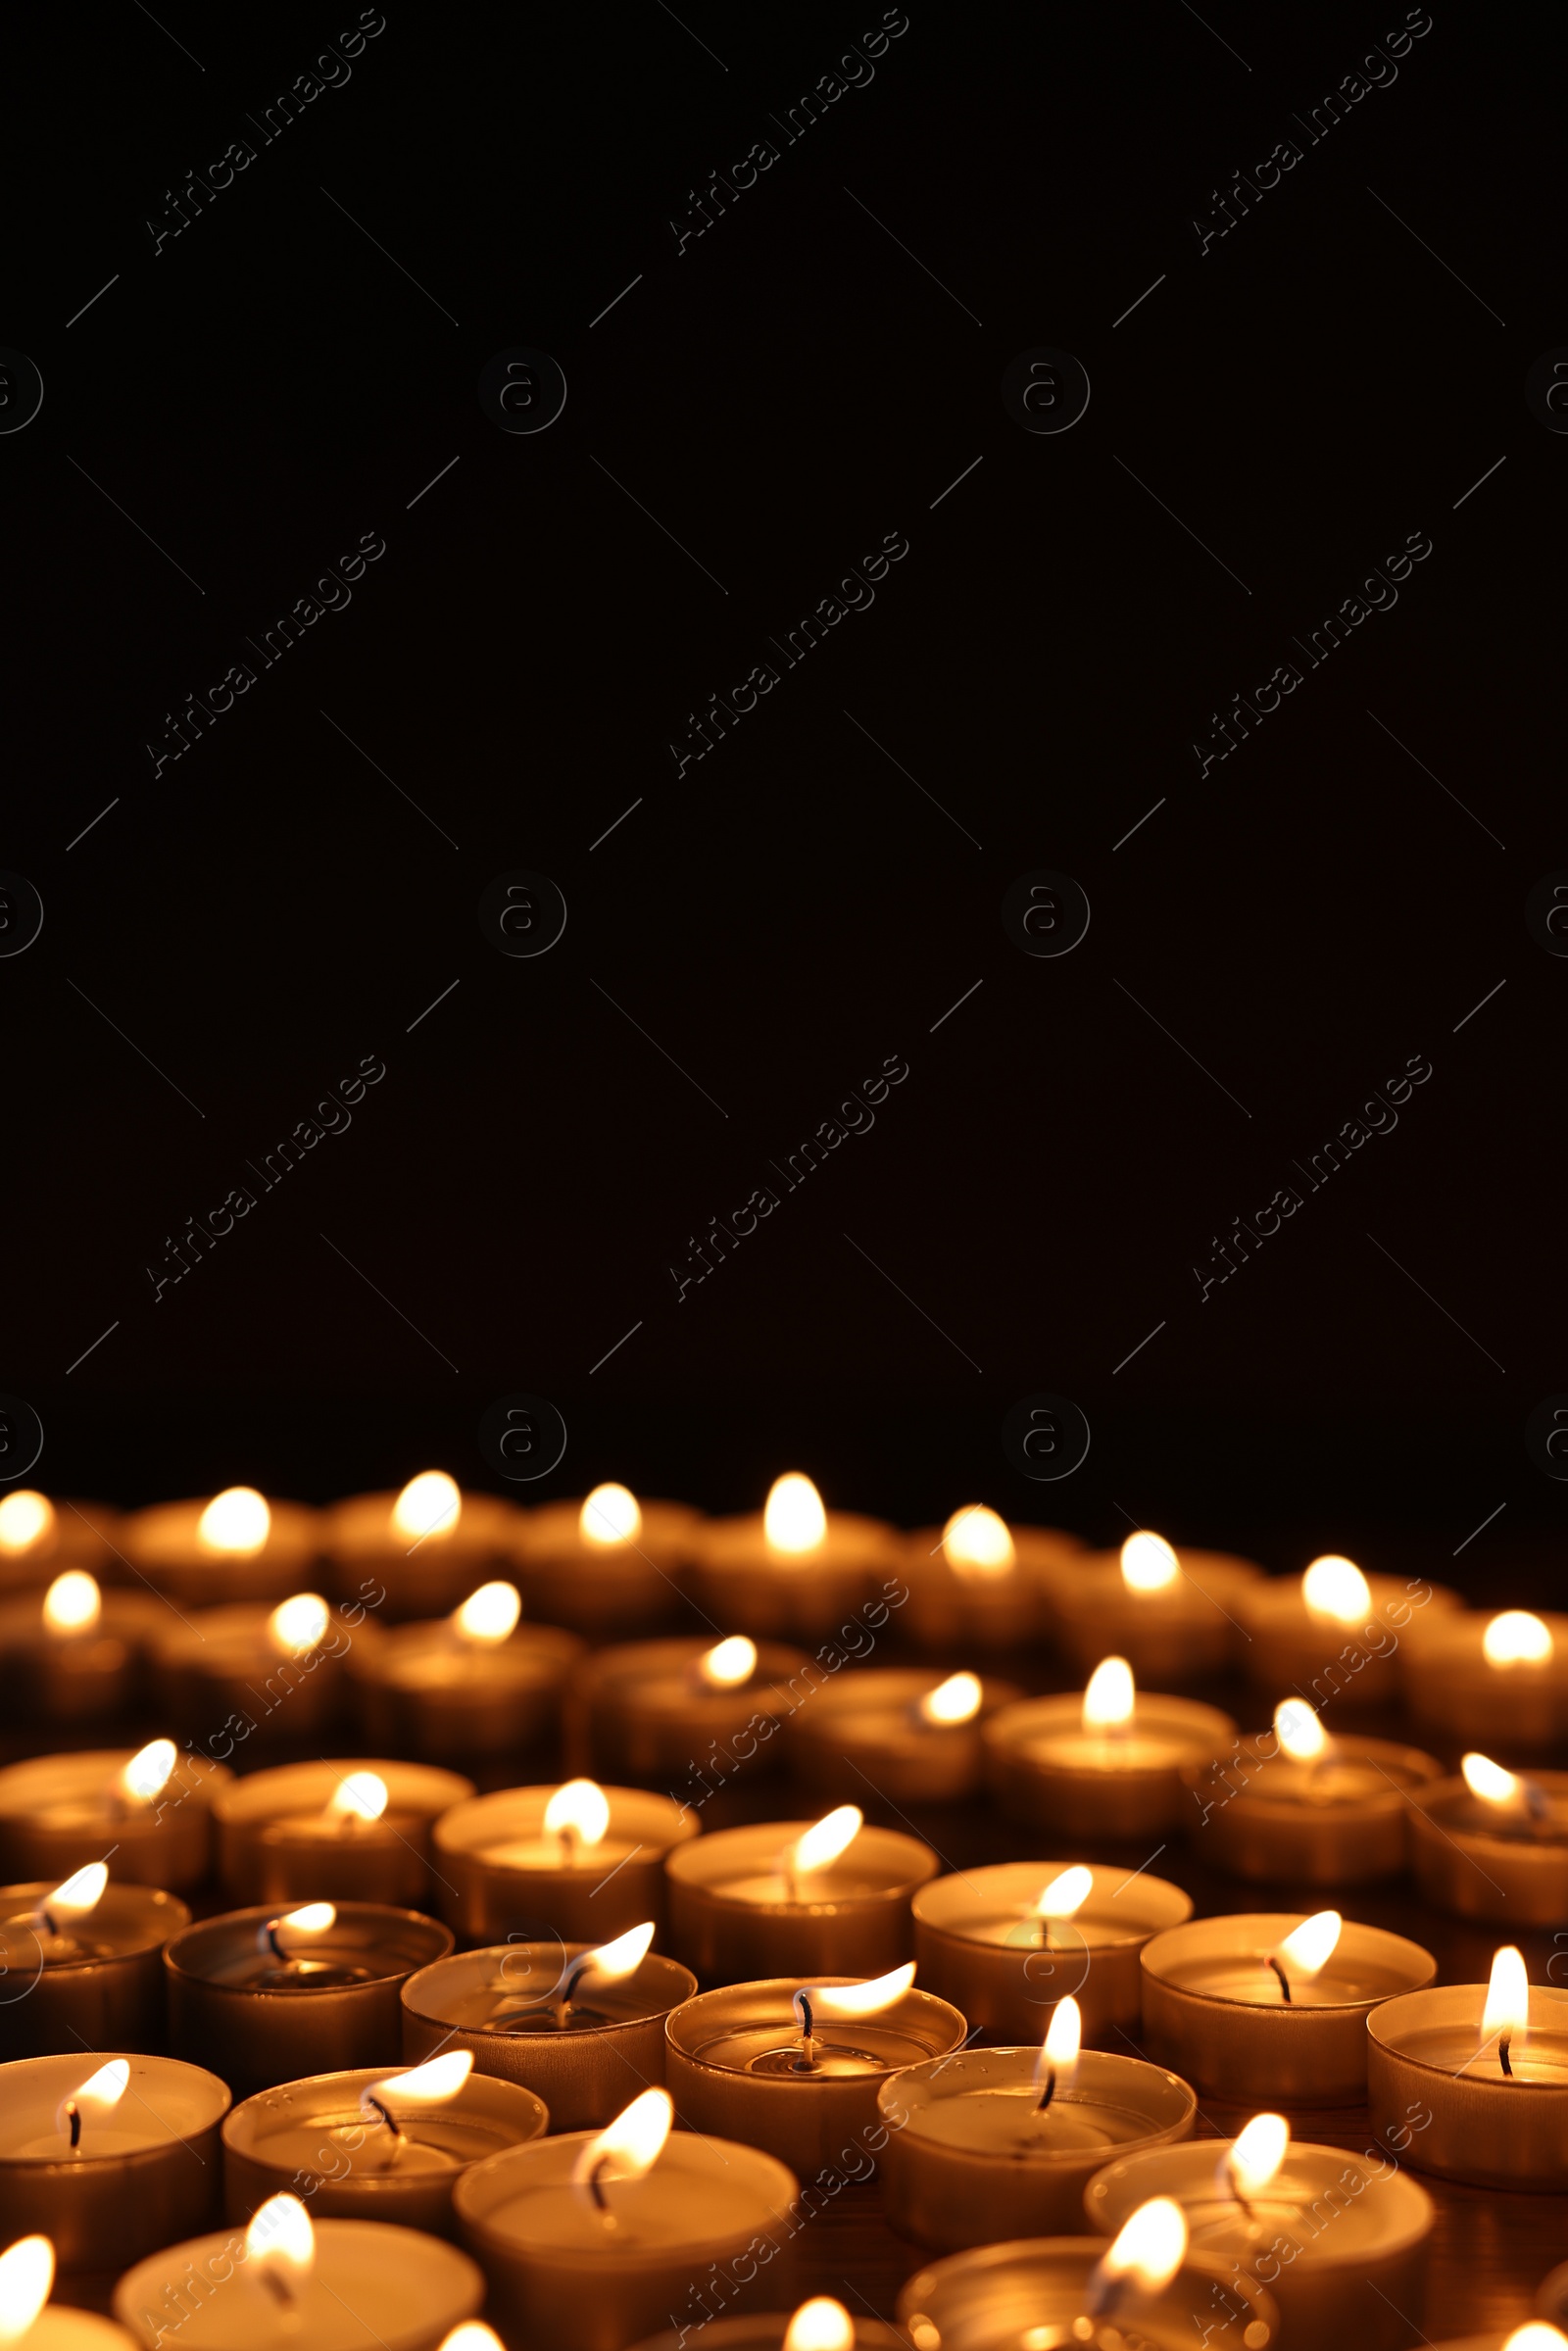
1166	1611
675	1712
333	1831
820	2325
806	1897
1006	1943
273	1996
38	1537
604	1565
1270	2005
1296	1806
268	1674
27	2275
996	2143
418	1553
1490	1682
1493	1845
1068	2291
357	2285
473	1684
1333	1633
577	1861
1317	2225
797	1568
373	2146
902	1732
107	2157
978	1583
145	1814
579	2024
590	2240
78	1653
83	1963
236	1546
1107	1764
795	2068
1470	2081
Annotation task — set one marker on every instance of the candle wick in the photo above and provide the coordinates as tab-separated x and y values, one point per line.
280	2289
596	2190
387	2116
1285	1982
1503	2058
49	1927
1050	2091
808	2023
1235	2184
278	1952
74	2124
568	1848
1044	1934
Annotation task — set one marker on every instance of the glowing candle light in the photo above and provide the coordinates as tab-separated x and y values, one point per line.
472	2336
1147	2252
954	1700
1506	2014
75	1898
430	2084
1307	1951
579	1813
302	1926
627	2149
1336	1591
429	1507
1254	2155
1299	1730
820	2325
821	1845
359	1797
978	1545
840	2002
488	1616
1147	1563
794	1520
609	1515
98	2096
234	1524
1537	2336
148	1772
281	2245
26	1519
299	1625
1063	1899
1059	2053
1516	1637
728	1664
73	1604
1109	1696
27	2275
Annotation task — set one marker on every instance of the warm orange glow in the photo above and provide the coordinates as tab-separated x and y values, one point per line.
820	2325
729	1664
978	1545
310	1920
147	1774
1058	2054
1489	1780
1150	2248
26	1518
610	1514
73	1602
428	1508
1507	2008
1147	1563
1537	2336
954	1700
427	2084
1299	1730
78	1895
99	2094
26	2273
281	2242
615	1961
579	1809
631	2144
1257	2153
794	1518
1336	1591
1308	1950
1111	1696
825	1841
1516	1637
236	1523
1067	1893
359	1797
472	2336
298	1626
488	1616
844	2000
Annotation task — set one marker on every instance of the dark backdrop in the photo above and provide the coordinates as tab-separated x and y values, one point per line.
1274	411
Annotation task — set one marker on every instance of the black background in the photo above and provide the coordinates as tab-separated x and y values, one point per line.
791	386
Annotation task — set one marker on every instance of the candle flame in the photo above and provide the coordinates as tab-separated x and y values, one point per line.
825	1841
147	1774
614	1961
102	2090
729	1664
312	1919
1507	2008
1489	1780
580	1808
26	2273
794	1518
359	1797
1148	1564
845	2000
1516	1637
472	2336
429	1507
489	1615
26	1518
1149	2247
1299	1730
1257	2153
610	1514
78	1895
234	1524
282	2241
820	2325
978	1545
1058	2051
1538	2335
1336	1591
73	1602
954	1700
1067	1893
299	1625
1111	1695
428	2084
631	2144
1308	1950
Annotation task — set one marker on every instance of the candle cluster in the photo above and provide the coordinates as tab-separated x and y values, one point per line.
587	2052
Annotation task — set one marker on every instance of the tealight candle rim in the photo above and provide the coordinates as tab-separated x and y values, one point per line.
244	1803
92	1770
119	1895
1162	2135
899	1685
484	1815
1061	2258
436	2257
564	1951
682	2149
1383	2027
1161	1713
205	1933
1109	1881
684	1863
482	2094
1394	2188
1272	1927
71	2166
1455	1790
912	2003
